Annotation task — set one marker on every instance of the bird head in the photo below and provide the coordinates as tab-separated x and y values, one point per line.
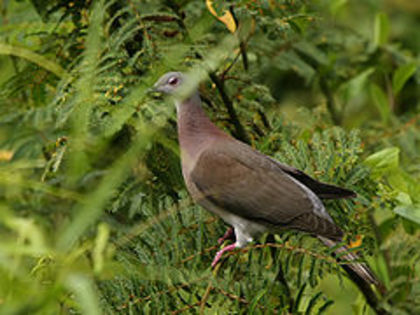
169	82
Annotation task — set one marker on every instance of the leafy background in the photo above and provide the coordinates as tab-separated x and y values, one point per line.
94	214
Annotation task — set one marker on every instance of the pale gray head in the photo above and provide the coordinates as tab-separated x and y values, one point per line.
169	82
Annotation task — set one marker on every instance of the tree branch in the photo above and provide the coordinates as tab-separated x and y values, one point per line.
242	44
239	129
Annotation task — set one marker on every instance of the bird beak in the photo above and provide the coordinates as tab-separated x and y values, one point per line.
154	92
150	91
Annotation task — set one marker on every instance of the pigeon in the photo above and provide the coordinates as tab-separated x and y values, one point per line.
250	191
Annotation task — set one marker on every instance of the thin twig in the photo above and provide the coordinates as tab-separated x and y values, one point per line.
239	129
291	248
188	307
224	72
208	290
241	300
242	43
170	290
234	297
286	246
205	251
205	297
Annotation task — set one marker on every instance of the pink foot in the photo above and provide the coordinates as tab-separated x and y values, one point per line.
221	252
229	235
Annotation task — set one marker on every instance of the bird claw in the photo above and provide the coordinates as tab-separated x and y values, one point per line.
220	253
229	235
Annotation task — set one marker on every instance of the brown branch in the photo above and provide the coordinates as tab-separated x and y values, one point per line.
205	251
285	246
241	300
239	129
170	290
224	72
159	18
205	297
242	44
291	248
188	307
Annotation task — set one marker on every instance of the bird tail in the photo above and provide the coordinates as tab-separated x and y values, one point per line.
358	272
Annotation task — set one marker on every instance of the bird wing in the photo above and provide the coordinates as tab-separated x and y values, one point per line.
245	182
322	190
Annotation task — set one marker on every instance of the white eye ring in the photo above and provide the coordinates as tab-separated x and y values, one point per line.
173	81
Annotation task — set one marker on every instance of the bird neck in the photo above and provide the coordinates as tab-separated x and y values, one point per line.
194	126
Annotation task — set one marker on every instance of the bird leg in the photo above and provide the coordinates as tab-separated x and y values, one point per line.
229	235
221	252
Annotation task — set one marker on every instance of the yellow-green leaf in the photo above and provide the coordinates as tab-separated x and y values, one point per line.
410	212
383	161
381	30
226	18
85	294
100	245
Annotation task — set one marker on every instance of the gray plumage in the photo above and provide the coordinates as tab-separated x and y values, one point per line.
249	190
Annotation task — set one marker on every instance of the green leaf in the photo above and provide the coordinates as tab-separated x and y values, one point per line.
336	5
387	227
383	161
41	61
324	307
410	227
312	303
42	7
401	75
410	212
380	100
359	305
99	249
84	290
86	213
32	239
381	30
292	61
382	268
299	297
311	51
353	87
255	300
404	198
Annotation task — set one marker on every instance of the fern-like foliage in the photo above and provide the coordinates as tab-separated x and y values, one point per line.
95	217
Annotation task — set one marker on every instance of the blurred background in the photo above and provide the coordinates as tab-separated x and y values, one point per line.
94	214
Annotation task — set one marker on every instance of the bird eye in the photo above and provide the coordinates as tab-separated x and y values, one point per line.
173	81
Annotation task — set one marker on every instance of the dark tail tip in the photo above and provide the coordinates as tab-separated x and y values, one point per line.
334	192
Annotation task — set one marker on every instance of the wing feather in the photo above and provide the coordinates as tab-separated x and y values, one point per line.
246	183
322	190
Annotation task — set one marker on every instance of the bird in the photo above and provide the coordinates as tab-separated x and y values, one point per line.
252	192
